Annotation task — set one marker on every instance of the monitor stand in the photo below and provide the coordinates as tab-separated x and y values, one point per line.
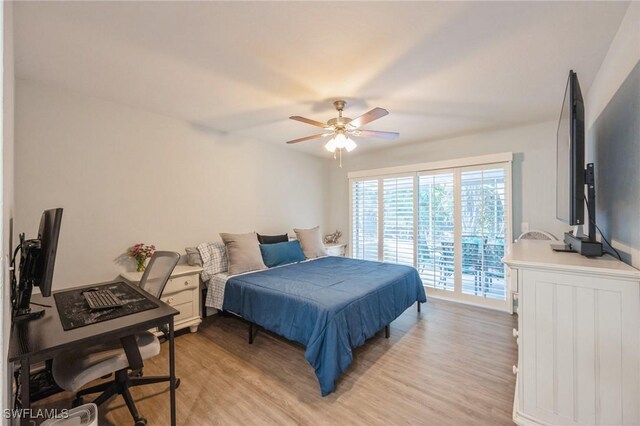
567	247
28	315
562	248
23	287
577	241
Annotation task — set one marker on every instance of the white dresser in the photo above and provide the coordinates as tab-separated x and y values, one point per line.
182	292
578	336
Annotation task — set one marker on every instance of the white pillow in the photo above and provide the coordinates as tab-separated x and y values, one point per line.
311	242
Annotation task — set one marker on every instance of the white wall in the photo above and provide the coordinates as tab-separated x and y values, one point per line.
7	191
125	176
533	171
622	56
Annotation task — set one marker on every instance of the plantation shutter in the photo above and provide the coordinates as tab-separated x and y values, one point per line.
364	202
397	224
436	230
482	197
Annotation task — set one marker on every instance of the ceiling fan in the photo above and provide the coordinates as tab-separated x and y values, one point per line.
341	128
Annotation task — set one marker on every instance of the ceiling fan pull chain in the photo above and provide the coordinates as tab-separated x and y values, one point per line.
340	157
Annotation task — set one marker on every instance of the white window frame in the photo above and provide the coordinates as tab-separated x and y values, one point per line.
504	160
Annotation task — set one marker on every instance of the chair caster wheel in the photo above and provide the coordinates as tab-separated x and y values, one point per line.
77	402
177	383
141	422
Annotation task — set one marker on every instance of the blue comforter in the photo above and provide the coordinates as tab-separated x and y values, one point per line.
330	305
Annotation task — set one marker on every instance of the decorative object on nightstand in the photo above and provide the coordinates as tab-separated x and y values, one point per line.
141	252
336	249
182	292
332	238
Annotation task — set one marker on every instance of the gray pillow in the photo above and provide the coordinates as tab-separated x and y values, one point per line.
193	256
311	242
243	252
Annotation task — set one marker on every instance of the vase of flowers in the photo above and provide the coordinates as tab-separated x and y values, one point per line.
141	252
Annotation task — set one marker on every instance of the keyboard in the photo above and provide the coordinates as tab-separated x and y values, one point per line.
101	299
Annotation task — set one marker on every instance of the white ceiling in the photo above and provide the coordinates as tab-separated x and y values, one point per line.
240	69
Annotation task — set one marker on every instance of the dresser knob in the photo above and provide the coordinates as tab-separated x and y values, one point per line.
515	370
515	333
186	283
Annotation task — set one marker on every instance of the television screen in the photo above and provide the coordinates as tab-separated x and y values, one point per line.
570	156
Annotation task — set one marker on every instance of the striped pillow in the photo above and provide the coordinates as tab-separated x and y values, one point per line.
214	259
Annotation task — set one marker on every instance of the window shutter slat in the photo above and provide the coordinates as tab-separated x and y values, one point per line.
365	219
397	224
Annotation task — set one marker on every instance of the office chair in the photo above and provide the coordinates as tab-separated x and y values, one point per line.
74	370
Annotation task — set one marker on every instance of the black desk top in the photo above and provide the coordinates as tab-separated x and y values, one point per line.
44	337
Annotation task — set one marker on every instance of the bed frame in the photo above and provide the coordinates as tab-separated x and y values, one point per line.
253	328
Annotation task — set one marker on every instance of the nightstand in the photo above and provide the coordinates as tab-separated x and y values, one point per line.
182	292
337	249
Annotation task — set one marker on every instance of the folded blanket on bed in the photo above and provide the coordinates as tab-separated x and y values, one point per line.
330	305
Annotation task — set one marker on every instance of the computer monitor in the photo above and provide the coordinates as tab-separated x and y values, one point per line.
48	235
37	260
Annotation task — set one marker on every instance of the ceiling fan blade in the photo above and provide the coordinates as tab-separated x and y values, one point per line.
309	121
308	138
376	134
368	117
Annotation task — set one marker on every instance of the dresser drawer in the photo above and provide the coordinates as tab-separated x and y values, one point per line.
178	284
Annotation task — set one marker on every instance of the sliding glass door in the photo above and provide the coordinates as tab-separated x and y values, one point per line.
482	198
451	224
436	230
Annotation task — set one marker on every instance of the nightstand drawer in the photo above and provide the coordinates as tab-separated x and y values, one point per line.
178	284
178	298
186	311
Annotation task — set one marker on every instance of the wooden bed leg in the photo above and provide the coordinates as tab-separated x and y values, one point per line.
251	333
419	306
387	331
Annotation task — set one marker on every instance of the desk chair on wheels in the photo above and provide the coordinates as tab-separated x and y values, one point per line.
73	370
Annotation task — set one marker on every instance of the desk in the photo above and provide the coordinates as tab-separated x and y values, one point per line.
44	338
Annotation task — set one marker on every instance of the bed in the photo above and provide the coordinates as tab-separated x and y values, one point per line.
330	305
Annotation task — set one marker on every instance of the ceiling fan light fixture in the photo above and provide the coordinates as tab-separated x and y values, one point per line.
341	140
331	145
350	145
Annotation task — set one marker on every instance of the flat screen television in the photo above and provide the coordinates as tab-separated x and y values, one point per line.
570	155
572	176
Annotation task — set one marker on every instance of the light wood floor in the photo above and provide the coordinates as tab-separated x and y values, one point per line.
449	365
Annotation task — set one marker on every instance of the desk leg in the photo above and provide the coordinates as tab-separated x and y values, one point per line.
25	392
172	373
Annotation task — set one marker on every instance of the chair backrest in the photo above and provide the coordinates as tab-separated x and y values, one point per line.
158	271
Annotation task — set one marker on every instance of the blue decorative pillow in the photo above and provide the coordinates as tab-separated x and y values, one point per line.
281	253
